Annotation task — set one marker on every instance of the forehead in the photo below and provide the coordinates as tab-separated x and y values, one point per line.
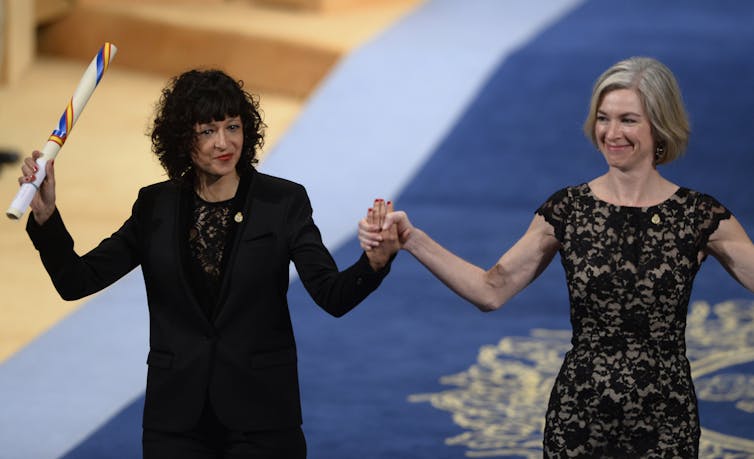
622	100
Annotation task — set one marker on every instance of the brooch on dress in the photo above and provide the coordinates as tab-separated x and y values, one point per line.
656	219
239	217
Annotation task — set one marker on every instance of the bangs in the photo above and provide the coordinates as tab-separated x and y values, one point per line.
216	105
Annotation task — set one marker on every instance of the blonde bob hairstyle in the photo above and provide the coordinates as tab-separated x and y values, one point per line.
660	96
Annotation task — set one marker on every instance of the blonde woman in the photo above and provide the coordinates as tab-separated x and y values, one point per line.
631	243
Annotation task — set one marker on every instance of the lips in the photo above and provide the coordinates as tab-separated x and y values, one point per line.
227	157
612	147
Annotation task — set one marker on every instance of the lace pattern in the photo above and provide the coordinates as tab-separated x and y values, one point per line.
206	238
625	389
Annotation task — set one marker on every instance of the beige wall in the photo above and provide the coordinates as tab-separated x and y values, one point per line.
17	33
2	38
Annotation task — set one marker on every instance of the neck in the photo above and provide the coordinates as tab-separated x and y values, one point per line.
632	188
216	188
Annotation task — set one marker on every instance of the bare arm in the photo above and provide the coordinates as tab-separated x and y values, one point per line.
733	248
487	290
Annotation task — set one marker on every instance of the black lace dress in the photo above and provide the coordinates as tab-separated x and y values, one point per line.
625	387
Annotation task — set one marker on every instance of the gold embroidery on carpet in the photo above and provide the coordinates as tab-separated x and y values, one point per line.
500	401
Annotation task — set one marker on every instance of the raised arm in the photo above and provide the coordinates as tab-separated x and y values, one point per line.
733	248
487	290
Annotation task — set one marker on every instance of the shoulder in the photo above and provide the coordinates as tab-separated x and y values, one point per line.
157	197
570	193
285	195
167	186
701	202
707	213
274	184
565	197
559	207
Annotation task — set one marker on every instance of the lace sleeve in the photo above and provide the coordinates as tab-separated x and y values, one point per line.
711	213
556	210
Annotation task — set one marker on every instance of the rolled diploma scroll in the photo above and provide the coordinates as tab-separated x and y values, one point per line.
84	90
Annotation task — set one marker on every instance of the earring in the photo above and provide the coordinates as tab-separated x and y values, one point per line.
187	170
659	151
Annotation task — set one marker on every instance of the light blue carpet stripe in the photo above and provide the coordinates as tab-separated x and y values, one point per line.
375	121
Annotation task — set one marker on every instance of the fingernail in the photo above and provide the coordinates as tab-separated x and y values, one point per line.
36	168
389	202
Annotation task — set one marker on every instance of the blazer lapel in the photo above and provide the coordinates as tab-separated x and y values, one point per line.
183	211
241	215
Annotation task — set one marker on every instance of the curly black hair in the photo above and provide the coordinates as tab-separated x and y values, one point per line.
202	96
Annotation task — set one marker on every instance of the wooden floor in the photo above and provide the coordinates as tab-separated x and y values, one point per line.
104	162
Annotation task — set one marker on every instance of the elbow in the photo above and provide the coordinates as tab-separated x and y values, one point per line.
488	306
68	296
493	289
67	293
339	310
489	301
337	314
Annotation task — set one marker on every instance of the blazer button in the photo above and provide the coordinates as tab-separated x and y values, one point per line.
359	281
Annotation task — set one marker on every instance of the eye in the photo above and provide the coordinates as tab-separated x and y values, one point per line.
629	121
206	132
234	127
601	118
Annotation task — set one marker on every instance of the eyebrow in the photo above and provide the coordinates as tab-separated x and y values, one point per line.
621	114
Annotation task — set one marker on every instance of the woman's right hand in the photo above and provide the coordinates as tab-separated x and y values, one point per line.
43	203
403	226
372	228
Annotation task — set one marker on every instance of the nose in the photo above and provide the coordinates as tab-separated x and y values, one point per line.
220	141
613	130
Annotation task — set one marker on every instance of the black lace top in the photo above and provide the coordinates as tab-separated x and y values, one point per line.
207	236
625	388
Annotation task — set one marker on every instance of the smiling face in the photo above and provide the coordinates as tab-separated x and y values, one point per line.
218	147
623	131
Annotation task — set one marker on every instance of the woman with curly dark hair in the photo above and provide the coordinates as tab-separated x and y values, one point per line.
214	243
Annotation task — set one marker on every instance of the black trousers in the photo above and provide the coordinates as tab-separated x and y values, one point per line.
210	439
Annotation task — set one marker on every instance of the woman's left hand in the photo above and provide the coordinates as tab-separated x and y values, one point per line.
379	244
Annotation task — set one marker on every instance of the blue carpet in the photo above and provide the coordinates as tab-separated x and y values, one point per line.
367	378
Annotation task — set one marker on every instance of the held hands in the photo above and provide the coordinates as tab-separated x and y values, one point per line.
383	232
43	204
378	253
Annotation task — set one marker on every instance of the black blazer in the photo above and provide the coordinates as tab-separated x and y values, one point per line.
244	357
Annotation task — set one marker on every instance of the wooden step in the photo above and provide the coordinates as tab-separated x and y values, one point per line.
321	5
272	49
